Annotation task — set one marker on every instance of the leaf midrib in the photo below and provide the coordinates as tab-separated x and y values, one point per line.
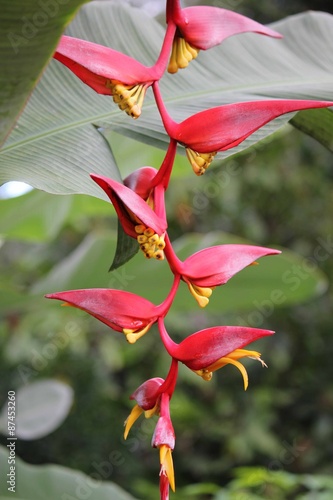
107	116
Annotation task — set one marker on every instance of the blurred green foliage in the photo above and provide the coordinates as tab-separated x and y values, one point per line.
272	442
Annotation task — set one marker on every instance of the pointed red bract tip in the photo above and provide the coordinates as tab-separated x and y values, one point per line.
224	127
205	27
96	65
214	266
203	348
117	309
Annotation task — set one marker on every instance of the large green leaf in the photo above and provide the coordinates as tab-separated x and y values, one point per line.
54	482
126	248
55	146
318	123
29	32
277	281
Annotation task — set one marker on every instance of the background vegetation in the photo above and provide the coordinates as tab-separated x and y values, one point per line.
280	194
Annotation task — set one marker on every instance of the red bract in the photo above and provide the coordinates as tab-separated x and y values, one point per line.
224	127
138	219
204	27
147	397
110	72
164	440
140	181
153	397
205	347
214	266
210	349
147	393
122	311
164	487
164	433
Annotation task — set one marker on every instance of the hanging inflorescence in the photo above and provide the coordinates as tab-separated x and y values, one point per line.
139	203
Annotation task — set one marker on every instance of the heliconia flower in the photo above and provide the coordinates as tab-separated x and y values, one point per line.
214	266
110	72
224	127
202	27
120	310
208	350
138	219
148	396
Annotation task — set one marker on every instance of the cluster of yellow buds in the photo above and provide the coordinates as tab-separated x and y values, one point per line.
150	242
182	53
199	161
128	97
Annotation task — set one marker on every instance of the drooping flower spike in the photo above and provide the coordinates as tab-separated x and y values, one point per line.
224	127
138	219
112	73
208	350
214	266
202	27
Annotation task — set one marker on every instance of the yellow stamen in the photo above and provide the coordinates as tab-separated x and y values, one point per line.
149	253
128	97
139	229
150	242
240	367
205	374
199	161
153	411
142	239
200	294
153	240
167	465
158	255
132	417
133	335
182	53
149	232
160	243
231	359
